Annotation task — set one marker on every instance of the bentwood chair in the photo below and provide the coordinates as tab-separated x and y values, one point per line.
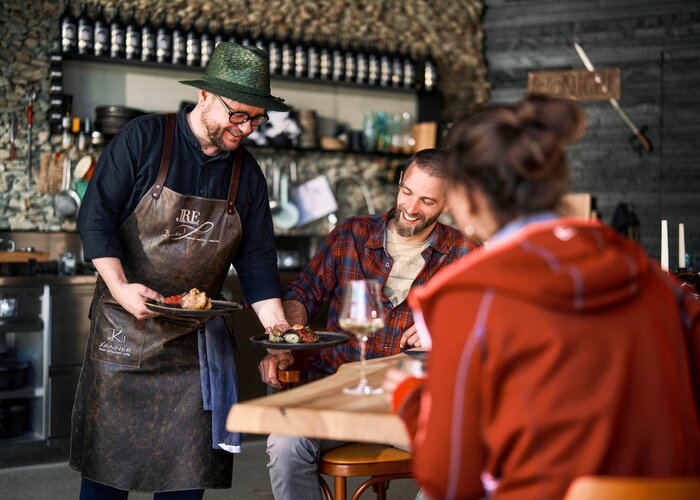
634	488
381	463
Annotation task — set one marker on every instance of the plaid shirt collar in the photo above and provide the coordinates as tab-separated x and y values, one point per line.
440	240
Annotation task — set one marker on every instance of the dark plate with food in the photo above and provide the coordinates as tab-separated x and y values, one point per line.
193	304
417	352
324	339
218	308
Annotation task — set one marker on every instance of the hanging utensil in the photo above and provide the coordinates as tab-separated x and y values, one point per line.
288	214
644	141
13	135
31	96
67	202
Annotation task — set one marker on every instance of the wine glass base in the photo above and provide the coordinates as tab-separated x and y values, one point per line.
363	390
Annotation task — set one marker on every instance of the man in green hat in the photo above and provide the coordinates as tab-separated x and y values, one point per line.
174	201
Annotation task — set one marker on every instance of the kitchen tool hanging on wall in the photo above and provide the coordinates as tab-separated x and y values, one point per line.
13	135
67	202
31	96
288	214
638	134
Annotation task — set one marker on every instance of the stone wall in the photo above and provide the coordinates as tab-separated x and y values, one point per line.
450	28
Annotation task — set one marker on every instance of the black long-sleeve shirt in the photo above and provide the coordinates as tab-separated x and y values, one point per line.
126	170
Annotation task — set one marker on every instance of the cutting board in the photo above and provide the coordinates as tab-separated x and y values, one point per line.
19	257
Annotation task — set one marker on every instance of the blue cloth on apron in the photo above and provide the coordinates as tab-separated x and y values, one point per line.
217	369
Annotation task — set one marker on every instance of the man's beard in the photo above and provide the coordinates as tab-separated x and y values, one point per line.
215	134
408	231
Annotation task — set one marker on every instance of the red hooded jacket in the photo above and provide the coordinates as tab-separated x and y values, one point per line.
560	351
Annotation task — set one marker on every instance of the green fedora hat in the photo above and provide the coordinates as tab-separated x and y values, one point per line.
240	73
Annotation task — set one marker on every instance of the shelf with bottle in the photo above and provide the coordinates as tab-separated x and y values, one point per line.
399	155
178	43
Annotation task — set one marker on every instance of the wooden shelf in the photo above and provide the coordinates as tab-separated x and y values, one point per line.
199	70
293	149
23	257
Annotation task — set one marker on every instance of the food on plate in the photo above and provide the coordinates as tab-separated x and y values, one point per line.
194	299
295	335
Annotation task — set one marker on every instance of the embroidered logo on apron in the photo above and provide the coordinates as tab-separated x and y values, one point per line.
116	343
119	336
191	228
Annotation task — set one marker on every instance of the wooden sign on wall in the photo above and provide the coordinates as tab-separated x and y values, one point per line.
578	84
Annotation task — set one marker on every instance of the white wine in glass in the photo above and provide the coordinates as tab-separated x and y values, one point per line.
362	315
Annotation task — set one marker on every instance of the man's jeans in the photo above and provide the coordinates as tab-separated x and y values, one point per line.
293	466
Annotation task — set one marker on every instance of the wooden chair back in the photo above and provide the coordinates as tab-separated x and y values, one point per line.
634	488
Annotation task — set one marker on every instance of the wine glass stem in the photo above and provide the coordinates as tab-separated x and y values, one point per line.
363	349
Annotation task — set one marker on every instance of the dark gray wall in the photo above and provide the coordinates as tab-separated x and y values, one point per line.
656	44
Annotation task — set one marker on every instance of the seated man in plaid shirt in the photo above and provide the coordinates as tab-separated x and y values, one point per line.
403	248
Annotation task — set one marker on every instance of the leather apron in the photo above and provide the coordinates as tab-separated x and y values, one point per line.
138	422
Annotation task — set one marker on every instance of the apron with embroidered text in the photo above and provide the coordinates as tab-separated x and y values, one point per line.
138	422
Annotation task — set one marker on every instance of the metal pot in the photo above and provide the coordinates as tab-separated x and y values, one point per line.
14	417
13	374
110	119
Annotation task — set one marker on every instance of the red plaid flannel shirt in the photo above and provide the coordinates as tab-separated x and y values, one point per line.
355	250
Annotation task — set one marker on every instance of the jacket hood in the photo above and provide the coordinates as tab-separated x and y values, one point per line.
564	264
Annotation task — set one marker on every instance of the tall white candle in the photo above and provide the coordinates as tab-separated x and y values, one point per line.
664	245
681	246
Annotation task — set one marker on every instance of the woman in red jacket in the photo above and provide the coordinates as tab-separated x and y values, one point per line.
559	350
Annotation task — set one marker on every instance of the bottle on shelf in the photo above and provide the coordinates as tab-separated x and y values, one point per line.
396	68
206	43
246	38
69	29
384	67
300	55
133	38
274	50
86	31
372	65
179	42
218	34
233	36
149	39
117	36
338	62
194	44
67	136
409	70
325	61
429	80
101	32
313	59
83	135
350	60
259	39
287	55
362	63
164	40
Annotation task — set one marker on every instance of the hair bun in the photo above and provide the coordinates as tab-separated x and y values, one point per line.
563	118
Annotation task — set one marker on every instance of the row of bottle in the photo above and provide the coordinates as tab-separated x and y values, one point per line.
289	56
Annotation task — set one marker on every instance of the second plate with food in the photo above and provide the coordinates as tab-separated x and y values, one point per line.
325	339
218	308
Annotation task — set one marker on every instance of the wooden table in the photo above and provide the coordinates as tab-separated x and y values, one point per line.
320	409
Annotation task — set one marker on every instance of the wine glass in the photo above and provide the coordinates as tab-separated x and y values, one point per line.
362	314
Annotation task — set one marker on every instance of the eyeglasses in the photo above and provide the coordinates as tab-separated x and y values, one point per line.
241	117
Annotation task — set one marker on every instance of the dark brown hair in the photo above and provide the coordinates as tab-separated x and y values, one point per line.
431	161
515	154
